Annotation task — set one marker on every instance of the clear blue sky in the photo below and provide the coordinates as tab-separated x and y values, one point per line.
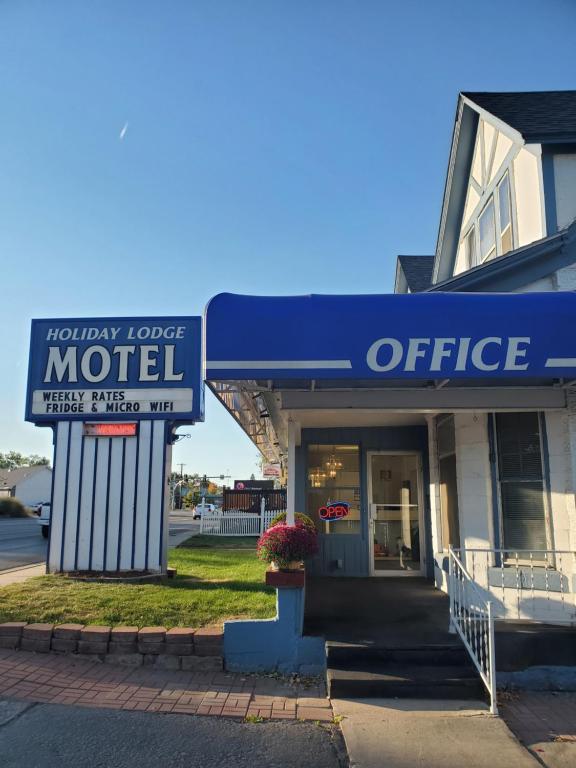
272	146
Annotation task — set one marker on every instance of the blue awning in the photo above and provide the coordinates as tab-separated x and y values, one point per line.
391	337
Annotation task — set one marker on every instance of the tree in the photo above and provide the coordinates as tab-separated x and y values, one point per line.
13	460
37	461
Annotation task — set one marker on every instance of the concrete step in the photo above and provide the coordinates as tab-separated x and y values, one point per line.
341	655
405	682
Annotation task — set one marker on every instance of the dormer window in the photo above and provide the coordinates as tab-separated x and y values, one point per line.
487	232
506	240
471	249
490	233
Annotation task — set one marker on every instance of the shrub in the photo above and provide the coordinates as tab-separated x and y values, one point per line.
300	519
284	544
11	507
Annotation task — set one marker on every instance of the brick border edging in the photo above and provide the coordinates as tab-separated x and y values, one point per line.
176	648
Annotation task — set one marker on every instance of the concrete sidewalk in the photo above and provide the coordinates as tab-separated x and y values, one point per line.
427	734
17	575
545	722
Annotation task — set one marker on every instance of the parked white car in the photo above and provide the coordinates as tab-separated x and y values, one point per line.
43	512
203	509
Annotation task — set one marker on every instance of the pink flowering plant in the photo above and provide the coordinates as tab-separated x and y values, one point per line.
284	544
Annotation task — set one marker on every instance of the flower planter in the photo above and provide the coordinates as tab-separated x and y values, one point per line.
285	547
293	579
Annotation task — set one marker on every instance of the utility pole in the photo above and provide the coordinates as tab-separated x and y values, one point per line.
176	484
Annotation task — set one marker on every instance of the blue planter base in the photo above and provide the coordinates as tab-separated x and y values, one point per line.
275	645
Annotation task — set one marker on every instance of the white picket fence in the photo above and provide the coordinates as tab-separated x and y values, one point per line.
236	523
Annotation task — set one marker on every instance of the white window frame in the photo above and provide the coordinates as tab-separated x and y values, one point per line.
499	230
548	528
493	251
471	231
474	221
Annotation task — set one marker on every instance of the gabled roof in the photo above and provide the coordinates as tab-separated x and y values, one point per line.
12	477
539	116
417	271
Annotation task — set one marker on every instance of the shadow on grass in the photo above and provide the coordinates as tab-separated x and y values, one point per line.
205	541
217	561
194	583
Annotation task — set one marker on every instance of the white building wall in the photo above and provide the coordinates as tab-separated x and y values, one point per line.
547	283
474	480
565	189
565	278
560	450
571	469
528	192
35	488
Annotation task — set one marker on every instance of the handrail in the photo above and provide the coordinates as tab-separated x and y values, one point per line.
471	617
525	584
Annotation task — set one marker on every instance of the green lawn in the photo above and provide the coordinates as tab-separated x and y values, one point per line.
218	578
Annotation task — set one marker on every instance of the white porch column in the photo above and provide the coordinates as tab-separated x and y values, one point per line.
561	432
293	438
474	480
435	510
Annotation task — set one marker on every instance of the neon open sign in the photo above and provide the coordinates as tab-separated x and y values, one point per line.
111	430
334	510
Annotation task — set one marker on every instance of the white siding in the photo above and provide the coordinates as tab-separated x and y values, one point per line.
565	189
460	264
562	280
571	456
566	278
561	480
473	477
547	283
529	203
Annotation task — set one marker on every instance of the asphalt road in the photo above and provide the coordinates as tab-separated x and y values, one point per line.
21	541
49	735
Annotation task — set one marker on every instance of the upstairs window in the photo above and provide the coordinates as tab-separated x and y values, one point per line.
506	243
491	233
470	249
487	232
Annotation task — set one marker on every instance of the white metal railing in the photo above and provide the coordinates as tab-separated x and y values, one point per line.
526	585
235	523
471	617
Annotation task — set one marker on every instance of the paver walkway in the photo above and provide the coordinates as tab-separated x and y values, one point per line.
49	678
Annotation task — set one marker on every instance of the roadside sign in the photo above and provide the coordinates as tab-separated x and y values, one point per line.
115	369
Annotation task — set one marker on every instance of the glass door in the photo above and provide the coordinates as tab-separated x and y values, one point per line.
394	488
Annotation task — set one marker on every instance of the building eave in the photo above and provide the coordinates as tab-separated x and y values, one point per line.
454	197
531	263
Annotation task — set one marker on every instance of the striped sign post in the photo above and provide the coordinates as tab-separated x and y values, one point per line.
113	390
